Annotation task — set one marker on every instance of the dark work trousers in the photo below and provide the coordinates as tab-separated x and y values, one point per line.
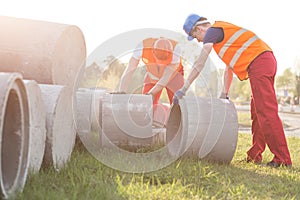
267	128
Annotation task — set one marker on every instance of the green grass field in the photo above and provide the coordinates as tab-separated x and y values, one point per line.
188	178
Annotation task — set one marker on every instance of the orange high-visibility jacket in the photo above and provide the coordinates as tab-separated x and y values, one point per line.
155	69
238	48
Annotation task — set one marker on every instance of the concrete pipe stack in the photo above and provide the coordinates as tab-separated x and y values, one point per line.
205	127
43	59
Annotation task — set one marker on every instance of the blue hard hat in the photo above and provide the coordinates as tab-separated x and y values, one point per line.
189	24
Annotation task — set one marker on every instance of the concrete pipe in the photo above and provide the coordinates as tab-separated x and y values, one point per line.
96	108
37	125
127	120
61	134
206	127
83	110
14	133
49	53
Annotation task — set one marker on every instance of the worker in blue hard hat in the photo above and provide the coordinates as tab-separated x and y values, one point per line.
247	56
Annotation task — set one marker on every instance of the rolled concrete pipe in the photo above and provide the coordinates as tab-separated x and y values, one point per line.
14	133
50	53
127	120
205	127
37	125
61	134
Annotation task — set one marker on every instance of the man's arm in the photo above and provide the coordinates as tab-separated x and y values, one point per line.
127	75
198	66
227	80
164	80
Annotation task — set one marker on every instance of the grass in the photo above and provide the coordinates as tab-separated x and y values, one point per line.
84	177
244	119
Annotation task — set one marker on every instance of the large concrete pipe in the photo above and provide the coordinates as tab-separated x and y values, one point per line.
88	103
83	103
37	124
49	53
96	108
206	127
61	134
14	133
127	120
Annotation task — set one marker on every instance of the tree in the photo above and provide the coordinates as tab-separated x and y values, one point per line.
287	79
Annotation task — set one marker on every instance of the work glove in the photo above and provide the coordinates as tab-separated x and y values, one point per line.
178	95
223	96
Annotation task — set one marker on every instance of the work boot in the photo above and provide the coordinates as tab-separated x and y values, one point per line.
276	165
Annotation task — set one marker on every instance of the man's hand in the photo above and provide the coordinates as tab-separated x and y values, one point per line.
152	96
223	96
118	92
178	95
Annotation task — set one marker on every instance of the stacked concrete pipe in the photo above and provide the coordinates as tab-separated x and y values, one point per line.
83	103
127	120
205	127
49	53
37	123
89	111
14	133
96	108
61	134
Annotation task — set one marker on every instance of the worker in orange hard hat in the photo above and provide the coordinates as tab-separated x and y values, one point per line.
248	56
163	67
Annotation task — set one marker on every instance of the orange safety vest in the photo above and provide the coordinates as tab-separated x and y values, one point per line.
238	48
155	69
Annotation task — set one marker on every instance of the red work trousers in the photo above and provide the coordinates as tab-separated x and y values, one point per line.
267	127
173	85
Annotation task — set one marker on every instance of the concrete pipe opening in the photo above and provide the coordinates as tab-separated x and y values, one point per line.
14	127
205	127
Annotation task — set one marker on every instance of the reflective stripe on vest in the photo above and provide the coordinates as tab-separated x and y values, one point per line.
230	41
242	49
238	48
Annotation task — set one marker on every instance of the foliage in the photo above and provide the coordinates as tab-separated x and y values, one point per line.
240	90
286	79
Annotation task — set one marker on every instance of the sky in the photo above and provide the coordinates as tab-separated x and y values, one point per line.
276	22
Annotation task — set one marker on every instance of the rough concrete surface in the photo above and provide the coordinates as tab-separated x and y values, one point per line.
61	134
37	125
50	53
14	134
